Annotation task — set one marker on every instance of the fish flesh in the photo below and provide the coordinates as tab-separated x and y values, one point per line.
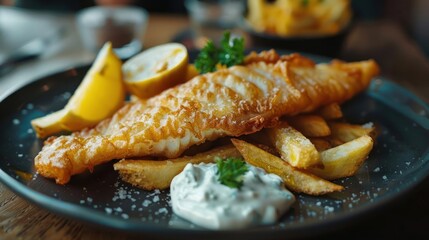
229	102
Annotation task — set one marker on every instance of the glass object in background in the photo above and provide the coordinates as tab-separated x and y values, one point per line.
124	27
210	18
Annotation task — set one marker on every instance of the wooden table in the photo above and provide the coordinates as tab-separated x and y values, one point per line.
401	61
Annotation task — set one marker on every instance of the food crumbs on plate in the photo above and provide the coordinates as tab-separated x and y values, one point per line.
24	175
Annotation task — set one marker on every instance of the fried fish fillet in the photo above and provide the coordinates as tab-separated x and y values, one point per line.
229	102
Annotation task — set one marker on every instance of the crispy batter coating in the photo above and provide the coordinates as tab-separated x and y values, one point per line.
229	102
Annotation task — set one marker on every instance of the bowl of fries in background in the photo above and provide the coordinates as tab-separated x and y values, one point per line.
313	26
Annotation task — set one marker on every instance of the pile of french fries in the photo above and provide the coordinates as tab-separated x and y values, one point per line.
307	151
298	17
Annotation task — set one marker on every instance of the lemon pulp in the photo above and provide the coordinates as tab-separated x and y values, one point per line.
156	69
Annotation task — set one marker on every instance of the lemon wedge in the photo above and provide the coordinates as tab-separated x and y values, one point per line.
99	95
156	69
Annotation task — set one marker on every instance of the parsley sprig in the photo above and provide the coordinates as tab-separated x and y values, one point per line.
231	171
207	58
230	53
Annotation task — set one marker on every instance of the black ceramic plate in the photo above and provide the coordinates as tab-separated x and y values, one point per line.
399	160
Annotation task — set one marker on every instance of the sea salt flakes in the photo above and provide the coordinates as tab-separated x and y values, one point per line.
329	209
377	169
120	194
161	211
146	203
108	210
16	121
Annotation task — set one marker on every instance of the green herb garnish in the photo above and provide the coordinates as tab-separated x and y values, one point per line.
229	53
207	58
231	171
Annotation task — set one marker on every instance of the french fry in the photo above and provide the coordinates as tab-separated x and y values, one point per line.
294	147
345	159
346	132
152	174
310	125
331	111
290	18
268	149
294	179
321	144
334	142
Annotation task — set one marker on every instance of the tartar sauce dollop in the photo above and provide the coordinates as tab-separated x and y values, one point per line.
199	197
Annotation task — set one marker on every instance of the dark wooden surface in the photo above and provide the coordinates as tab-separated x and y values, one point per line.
401	60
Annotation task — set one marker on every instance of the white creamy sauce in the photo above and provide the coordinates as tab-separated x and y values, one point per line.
199	197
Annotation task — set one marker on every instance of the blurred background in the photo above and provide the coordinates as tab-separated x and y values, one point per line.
411	15
393	32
